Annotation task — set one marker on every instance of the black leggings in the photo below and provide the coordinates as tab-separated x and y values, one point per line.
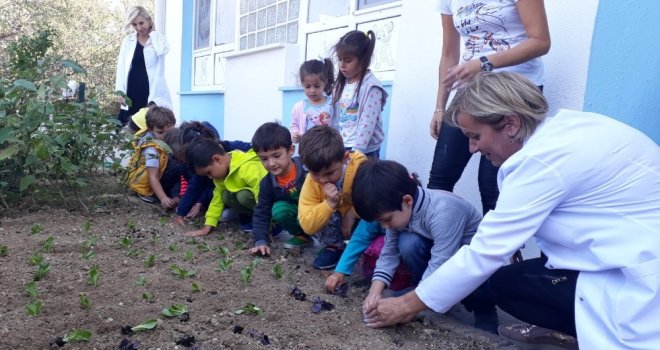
535	294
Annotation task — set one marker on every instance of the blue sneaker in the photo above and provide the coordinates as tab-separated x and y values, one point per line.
246	227
327	258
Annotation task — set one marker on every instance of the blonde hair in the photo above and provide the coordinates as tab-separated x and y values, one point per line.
489	97
133	12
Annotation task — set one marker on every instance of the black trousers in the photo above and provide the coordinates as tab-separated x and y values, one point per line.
535	294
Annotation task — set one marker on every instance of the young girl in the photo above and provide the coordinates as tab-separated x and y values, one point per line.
317	79
358	96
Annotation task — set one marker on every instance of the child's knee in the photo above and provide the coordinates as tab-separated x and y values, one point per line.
246	199
284	211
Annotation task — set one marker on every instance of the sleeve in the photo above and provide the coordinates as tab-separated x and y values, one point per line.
445	7
364	234
297	114
447	228
368	118
262	212
196	188
236	145
529	194
120	78
207	195
389	258
216	206
159	41
151	157
313	211
252	174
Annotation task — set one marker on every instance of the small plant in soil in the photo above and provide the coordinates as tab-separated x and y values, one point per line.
249	308
4	250
48	244
188	256
239	245
134	253
177	310
142	281
89	244
163	220
195	288
278	271
181	272
173	247
146	325
130	225
223	251
42	271
191	241
87	255
36	229
125	242
203	247
75	336
224	264
150	261
35	259
87	226
246	273
148	297
85	303
31	289
93	276
34	307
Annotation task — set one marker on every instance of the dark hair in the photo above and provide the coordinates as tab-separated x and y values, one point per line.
320	147
359	44
200	152
271	136
324	69
179	138
379	187
159	117
172	138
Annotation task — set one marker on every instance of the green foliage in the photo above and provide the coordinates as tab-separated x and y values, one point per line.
224	264
125	242
31	289
148	297
249	308
85	303
196	288
173	247
163	220
278	271
87	255
142	281
130	225
48	244
223	251
188	256
35	259
203	247
93	276
42	270
89	243
4	250
78	335
36	229
149	324
181	272
246	273
87	226
134	253
150	261
34	307
191	241
175	310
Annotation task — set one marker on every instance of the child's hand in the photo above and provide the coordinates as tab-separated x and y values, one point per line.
295	137
168	202
347	223
334	280
194	211
331	194
261	250
201	232
179	221
370	306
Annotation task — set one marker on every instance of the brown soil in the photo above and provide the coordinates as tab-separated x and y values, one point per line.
118	301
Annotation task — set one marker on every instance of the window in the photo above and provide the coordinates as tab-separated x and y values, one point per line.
363	4
320	10
265	22
225	22
202	24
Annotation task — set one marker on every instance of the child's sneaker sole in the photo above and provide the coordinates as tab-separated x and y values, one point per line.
295	243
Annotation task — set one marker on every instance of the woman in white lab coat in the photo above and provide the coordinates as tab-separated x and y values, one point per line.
587	187
140	64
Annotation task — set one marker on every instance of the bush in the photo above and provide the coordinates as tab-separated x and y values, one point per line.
46	140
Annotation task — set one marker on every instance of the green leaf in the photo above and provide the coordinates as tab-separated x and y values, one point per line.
74	66
26	182
5	134
175	310
28	85
149	324
31	289
196	288
78	335
8	152
34	307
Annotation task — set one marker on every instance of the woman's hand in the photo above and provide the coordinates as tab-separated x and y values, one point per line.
458	75
436	124
391	311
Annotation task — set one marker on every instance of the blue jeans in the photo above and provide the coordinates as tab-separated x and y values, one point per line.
451	155
415	252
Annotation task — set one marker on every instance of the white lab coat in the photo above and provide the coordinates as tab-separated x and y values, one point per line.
587	187
154	60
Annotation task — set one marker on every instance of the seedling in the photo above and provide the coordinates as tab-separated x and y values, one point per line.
249	308
125	242
224	264
35	259
163	220
196	288
130	225
255	262
34	307
48	244
191	241
87	226
173	247
278	271
150	261
175	310
93	278
3	250
134	253
76	335
239	245
87	255
85	303
149	324
36	229
148	297
42	270
142	281
31	289
181	272
246	273
89	244
223	251
188	255
203	247
154	238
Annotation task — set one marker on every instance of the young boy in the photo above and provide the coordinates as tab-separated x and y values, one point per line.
279	191
432	223
236	176
153	174
325	207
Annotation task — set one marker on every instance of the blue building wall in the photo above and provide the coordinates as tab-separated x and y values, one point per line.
624	68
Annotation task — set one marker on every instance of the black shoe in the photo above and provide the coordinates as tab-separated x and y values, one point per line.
486	321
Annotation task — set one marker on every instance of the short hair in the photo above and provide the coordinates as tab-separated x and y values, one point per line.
159	117
489	97
172	138
271	136
324	69
200	152
320	147
379	187
133	12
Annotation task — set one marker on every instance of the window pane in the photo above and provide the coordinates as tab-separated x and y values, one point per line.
252	22
271	12
244	25
322	8
244	7
202	23
225	17
271	36
281	13
292	33
363	4
294	8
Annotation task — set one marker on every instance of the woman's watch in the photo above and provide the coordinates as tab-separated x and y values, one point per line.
486	66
